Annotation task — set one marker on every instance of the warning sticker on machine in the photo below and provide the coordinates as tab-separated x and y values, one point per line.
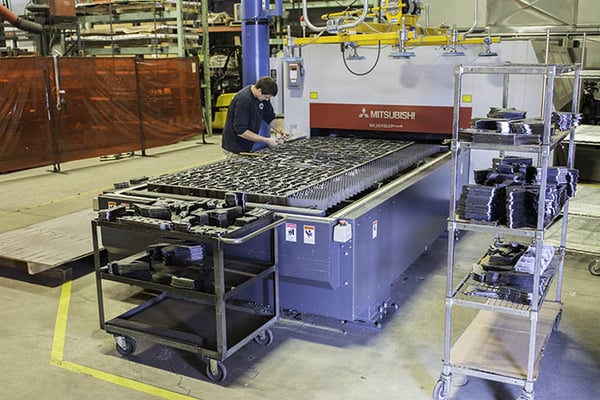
290	232
309	234
374	229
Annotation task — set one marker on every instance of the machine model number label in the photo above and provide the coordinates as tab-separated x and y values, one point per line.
290	232
309	234
374	229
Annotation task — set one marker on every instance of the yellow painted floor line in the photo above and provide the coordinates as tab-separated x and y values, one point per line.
57	353
125	382
60	326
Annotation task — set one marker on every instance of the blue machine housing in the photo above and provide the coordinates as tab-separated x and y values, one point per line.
390	228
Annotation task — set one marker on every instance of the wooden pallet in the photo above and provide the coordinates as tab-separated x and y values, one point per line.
46	245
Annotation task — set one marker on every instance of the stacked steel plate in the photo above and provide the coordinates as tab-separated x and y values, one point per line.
486	199
507	113
505	272
509	193
482	203
564	120
511	127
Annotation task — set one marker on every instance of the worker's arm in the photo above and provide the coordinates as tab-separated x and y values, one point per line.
254	137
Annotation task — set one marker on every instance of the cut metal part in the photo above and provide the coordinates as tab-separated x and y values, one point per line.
314	173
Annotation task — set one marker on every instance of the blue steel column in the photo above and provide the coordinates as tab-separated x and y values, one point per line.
256	15
255	41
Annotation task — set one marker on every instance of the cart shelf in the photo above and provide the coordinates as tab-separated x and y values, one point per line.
238	274
189	325
495	346
521	69
497	228
555	140
463	297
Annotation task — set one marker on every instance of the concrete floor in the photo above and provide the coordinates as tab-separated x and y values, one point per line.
52	346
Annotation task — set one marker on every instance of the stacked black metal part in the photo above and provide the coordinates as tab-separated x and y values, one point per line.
505	272
508	193
510	126
314	172
206	217
182	266
565	120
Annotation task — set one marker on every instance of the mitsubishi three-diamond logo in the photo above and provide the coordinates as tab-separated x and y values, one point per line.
363	113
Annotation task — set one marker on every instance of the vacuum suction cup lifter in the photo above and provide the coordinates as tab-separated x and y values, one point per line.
487	52
353	56
451	51
402	38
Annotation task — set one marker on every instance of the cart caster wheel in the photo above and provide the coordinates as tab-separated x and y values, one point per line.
216	371
125	345
526	396
441	390
594	268
264	338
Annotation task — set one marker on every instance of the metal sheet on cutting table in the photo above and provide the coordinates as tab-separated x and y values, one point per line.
313	172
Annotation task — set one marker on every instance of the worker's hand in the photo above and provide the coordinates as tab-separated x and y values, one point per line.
282	135
271	142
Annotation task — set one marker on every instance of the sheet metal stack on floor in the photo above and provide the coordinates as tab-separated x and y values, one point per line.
508	192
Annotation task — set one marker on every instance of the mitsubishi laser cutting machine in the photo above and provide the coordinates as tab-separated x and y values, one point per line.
364	185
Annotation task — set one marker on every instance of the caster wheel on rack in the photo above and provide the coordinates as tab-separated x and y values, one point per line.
525	395
216	371
264	338
125	345
594	268
441	390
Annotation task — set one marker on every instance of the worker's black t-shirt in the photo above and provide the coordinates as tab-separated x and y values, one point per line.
245	112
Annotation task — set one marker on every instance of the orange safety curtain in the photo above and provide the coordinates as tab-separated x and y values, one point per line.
58	110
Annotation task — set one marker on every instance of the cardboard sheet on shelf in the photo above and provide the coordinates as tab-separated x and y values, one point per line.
498	343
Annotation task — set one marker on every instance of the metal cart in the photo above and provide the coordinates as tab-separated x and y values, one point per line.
505	341
210	322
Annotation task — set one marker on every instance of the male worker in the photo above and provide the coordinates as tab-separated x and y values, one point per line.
248	108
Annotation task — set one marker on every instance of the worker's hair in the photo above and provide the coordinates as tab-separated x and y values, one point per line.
267	85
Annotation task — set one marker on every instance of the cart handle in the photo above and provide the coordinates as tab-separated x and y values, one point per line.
249	236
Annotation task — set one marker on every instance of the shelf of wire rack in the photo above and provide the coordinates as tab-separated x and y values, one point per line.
485	296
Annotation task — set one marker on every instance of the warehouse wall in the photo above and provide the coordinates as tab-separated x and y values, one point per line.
588	13
459	12
515	12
